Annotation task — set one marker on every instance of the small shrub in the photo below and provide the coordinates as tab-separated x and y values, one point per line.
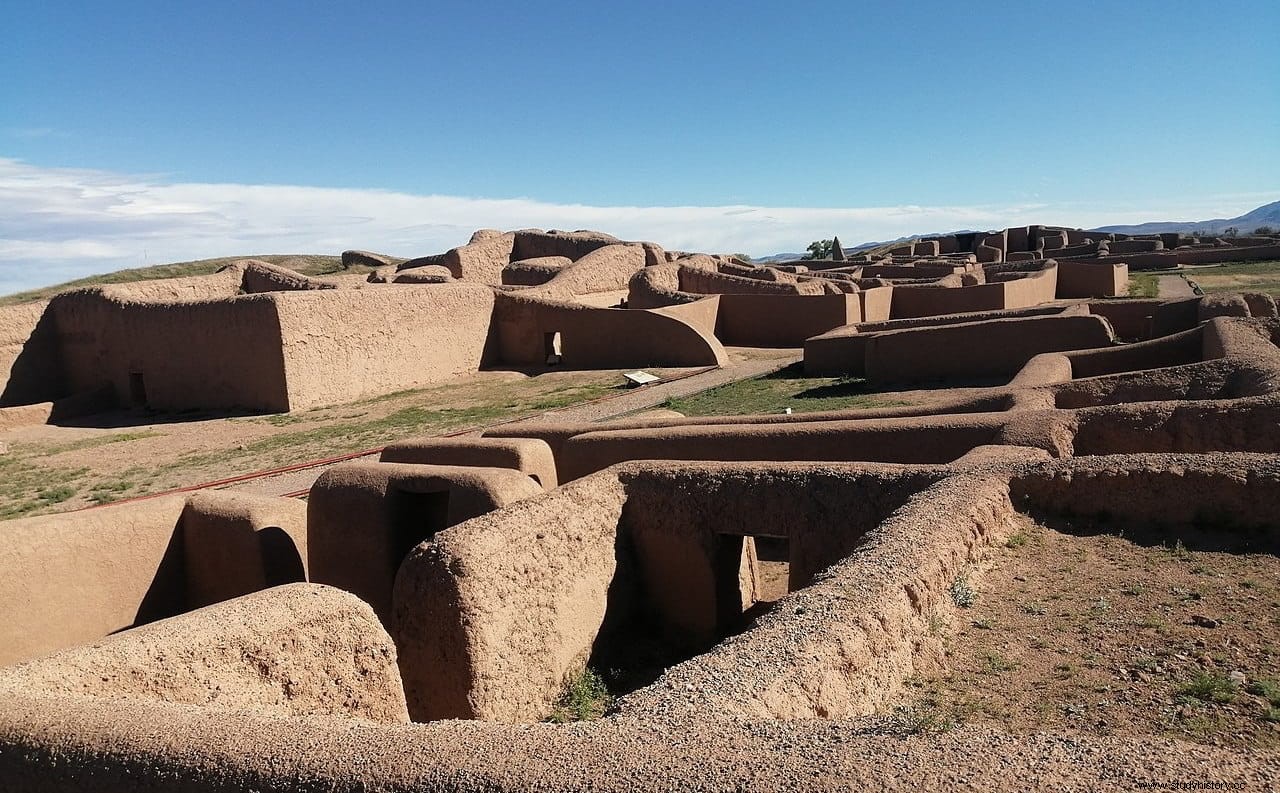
585	697
1209	687
916	719
1267	689
1016	541
1034	609
962	593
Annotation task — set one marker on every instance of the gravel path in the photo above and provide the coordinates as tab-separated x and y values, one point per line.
742	366
1174	286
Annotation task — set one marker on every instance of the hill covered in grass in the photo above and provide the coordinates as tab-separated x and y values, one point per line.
303	263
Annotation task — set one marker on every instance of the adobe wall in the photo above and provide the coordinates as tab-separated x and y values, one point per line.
106	341
483	258
533	272
29	370
532	243
1243	425
1087	279
1131	318
71	579
497	613
876	303
346	344
1167	490
340	661
261	276
969	350
593	338
530	456
845	644
710	282
364	518
925	301
608	268
1173	350
843	350
926	439
235	544
658	286
750	320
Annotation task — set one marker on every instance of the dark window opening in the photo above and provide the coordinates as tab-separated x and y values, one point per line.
551	348
416	518
137	389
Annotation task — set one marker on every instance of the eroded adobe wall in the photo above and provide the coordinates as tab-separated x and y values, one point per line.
298	650
1174	350
1217	494
497	613
602	337
607	268
364	518
926	439
345	344
483	258
845	644
223	353
707	281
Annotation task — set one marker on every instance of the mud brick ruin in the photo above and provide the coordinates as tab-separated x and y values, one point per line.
411	625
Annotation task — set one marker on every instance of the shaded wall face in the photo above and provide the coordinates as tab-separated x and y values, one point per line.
70	579
782	320
597	338
29	365
342	345
223	354
363	519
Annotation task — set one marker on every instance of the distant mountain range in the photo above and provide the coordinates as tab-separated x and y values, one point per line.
1265	215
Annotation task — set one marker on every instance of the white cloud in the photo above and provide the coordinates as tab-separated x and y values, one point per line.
61	223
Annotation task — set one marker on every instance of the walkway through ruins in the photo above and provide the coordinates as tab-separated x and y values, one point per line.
295	482
1174	286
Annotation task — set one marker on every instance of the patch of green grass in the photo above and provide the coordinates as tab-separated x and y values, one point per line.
100	440
1239	277
785	388
339	437
1144	285
1016	541
924	717
27	487
585	697
1209	687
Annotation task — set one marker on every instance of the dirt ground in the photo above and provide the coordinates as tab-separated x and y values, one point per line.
1072	630
112	456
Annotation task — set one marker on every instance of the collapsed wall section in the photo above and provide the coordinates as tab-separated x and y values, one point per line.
297	650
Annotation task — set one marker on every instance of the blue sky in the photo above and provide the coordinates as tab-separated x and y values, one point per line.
119	121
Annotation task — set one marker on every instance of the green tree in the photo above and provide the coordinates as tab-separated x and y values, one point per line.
1264	231
819	249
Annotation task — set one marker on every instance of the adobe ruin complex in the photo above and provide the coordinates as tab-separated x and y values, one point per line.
411	625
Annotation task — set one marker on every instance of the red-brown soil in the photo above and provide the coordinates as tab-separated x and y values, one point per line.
1100	634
